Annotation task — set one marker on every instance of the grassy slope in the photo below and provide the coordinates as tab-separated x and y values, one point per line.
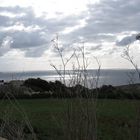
116	118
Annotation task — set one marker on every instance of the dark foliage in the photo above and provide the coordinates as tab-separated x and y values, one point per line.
38	88
37	84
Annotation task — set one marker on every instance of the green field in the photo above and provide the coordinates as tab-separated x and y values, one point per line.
116	119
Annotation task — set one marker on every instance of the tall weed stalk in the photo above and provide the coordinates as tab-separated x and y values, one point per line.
79	120
127	55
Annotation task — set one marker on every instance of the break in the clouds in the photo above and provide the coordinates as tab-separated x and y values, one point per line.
105	25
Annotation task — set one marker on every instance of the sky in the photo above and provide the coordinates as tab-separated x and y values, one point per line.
28	29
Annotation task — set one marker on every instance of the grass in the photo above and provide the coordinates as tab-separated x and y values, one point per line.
116	118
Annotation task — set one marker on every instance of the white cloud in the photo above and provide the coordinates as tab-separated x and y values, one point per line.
104	25
51	7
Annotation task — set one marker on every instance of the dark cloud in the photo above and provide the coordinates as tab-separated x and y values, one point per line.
109	17
4	21
35	52
114	16
126	40
29	36
97	47
28	39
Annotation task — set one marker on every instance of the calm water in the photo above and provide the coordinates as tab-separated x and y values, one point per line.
107	77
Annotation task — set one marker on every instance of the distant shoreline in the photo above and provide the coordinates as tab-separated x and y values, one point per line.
115	77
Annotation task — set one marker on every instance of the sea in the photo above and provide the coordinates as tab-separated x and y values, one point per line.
114	77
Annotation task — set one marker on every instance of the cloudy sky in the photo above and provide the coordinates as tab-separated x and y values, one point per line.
27	28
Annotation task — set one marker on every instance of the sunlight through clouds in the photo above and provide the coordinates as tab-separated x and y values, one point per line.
106	27
52	8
